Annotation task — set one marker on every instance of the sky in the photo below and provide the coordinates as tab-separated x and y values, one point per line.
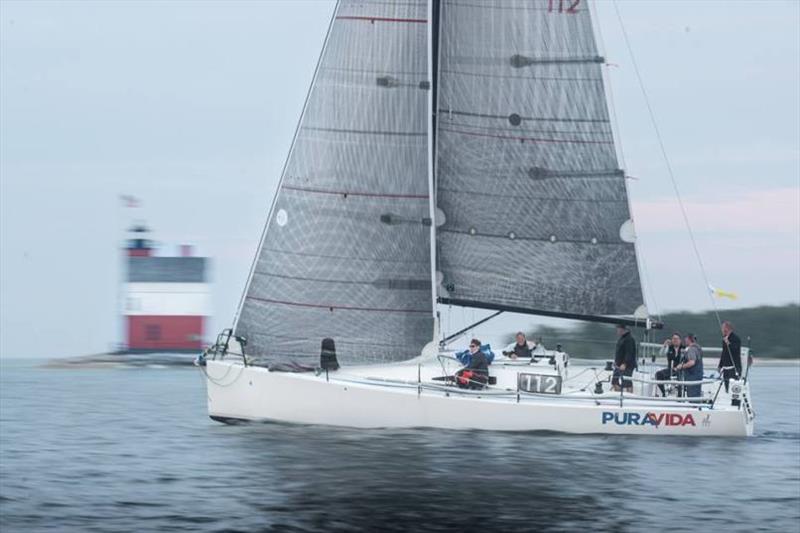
191	107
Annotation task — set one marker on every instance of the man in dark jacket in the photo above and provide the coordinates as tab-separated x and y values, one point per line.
476	374
730	362
624	359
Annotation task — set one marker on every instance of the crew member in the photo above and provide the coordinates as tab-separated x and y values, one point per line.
624	359
691	367
673	350
476	374
730	362
522	348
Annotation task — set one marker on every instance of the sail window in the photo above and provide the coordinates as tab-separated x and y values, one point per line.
514	119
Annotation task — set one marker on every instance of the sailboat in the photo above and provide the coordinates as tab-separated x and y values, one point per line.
449	153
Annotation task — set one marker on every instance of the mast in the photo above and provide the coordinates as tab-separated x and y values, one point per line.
431	123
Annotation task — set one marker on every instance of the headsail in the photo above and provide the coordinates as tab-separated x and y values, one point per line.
346	250
535	204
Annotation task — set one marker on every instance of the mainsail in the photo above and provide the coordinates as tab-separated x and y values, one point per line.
535	206
346	251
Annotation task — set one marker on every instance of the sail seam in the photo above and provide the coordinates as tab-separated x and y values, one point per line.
342	342
522	196
368	132
527	131
506	76
376	283
525	139
541	119
555	174
526	61
349	258
356	193
343	307
501	6
373	71
517	237
381	19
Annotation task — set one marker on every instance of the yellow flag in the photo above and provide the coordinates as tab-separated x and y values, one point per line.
719	293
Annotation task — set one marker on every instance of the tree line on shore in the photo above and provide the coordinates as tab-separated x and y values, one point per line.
770	331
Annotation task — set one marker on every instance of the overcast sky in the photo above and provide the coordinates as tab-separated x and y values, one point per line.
191	107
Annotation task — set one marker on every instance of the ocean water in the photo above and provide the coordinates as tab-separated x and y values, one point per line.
134	450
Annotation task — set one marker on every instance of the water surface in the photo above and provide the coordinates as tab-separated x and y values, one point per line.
134	450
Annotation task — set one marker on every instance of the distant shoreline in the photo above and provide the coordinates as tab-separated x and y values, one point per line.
128	360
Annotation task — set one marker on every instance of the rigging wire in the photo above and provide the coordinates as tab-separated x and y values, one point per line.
649	288
654	123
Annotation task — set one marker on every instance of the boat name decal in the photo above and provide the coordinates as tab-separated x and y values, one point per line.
649	419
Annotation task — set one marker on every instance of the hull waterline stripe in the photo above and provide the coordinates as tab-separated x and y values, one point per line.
344	307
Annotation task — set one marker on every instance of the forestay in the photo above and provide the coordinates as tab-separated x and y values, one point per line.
346	250
534	202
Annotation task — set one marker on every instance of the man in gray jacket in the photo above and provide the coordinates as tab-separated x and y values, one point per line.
691	367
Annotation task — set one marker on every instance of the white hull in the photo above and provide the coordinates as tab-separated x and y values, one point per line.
252	393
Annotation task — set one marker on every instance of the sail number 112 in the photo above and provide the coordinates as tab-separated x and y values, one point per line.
540	383
563	6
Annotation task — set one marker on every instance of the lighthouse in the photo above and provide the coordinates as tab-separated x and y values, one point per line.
166	298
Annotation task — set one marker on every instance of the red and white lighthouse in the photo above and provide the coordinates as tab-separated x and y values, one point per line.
167	299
